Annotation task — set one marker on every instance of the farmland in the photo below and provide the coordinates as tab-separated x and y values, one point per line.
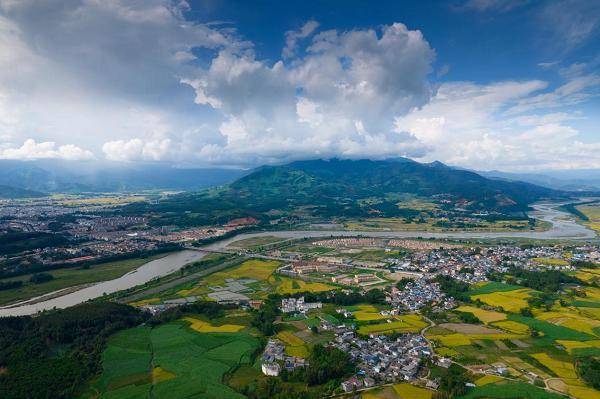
592	212
168	361
510	301
403	324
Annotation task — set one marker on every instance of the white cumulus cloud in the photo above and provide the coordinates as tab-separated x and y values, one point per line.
31	150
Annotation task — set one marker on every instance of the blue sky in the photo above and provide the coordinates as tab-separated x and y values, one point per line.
485	84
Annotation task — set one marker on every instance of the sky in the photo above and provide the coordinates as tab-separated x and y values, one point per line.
510	85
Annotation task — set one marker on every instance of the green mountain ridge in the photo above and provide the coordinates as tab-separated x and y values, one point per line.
351	188
9	192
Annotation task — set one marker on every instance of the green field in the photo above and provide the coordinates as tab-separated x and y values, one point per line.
503	390
64	278
493	286
171	361
550	330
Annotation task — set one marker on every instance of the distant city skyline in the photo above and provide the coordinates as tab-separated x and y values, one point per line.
484	84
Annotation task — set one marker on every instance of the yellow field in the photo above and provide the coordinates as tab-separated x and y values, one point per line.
103	201
407	391
404	324
486	316
294	346
159	375
572	345
447	352
452	340
144	302
368	313
592	293
298	351
286	285
461	339
512	326
204	327
588	275
289	338
257	269
487	379
592	211
567	318
511	301
562	369
583	392
592	313
550	261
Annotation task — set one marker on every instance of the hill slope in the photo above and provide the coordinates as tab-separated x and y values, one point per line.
54	176
305	181
9	192
362	188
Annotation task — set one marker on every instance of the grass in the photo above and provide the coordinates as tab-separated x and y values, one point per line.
70	277
205	327
171	361
256	269
486	316
159	375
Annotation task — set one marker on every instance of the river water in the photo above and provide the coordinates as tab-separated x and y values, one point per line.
141	275
563	227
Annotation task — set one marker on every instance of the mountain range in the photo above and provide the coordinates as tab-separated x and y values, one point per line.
570	180
349	188
20	179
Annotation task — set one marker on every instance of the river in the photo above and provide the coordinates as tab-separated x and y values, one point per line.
148	271
563	227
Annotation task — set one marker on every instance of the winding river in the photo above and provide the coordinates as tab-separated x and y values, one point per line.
563	227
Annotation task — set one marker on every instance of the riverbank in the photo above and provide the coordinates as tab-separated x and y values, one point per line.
564	227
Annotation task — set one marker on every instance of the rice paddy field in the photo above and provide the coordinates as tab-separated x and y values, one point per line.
294	345
404	324
169	361
257	269
206	327
592	211
398	391
511	300
544	344
286	286
509	390
486	316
